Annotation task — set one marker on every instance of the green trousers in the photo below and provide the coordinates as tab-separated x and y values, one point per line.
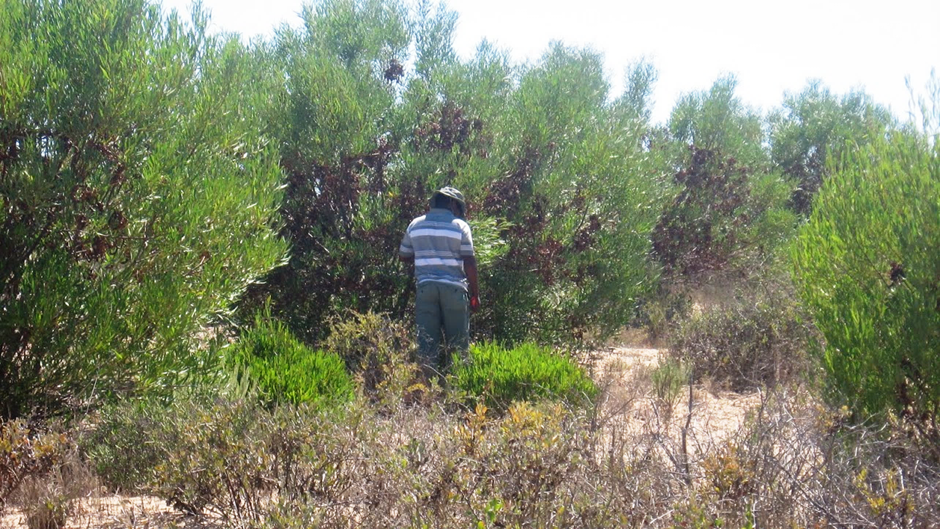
442	314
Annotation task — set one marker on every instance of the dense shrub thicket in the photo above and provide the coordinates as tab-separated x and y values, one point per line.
728	208
561	192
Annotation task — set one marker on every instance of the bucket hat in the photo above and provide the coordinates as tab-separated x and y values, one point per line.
453	193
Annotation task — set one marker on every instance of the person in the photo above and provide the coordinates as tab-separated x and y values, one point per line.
440	246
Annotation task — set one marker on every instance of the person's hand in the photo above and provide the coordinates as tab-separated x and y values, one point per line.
474	303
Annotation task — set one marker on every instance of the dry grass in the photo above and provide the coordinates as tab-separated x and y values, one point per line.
776	459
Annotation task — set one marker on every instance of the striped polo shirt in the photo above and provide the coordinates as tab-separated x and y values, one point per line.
438	242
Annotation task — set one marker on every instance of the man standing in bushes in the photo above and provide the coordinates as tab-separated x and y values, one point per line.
441	247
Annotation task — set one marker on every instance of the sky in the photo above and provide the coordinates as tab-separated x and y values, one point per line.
772	47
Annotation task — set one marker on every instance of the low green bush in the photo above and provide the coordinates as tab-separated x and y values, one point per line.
669	378
124	445
868	269
285	370
500	376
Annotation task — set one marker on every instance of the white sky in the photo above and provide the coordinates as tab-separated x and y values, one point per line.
772	47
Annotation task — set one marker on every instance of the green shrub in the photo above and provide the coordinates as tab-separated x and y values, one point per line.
285	370
811	131
728	211
868	268
669	377
500	376
756	338
138	197
122	446
551	169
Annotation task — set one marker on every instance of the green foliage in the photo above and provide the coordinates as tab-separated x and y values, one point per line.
701	229
759	337
328	113
814	129
556	178
138	197
716	120
285	370
868	268
122	447
729	208
669	377
579	195
500	376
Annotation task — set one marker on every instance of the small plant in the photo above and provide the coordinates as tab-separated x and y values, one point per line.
501	376
376	350
286	370
49	514
669	378
122	446
26	453
45	503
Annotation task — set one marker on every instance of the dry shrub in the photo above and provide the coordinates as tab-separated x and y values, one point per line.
226	458
793	463
758	337
27	452
377	350
797	463
47	500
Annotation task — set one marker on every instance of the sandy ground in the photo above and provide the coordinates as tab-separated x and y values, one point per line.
630	405
627	370
114	512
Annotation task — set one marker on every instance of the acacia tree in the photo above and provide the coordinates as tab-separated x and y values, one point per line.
868	268
728	202
334	86
577	194
559	186
811	132
137	196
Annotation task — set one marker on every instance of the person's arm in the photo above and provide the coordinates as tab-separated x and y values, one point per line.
405	251
470	268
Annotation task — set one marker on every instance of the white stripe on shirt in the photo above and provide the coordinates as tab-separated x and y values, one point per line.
429	232
435	261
